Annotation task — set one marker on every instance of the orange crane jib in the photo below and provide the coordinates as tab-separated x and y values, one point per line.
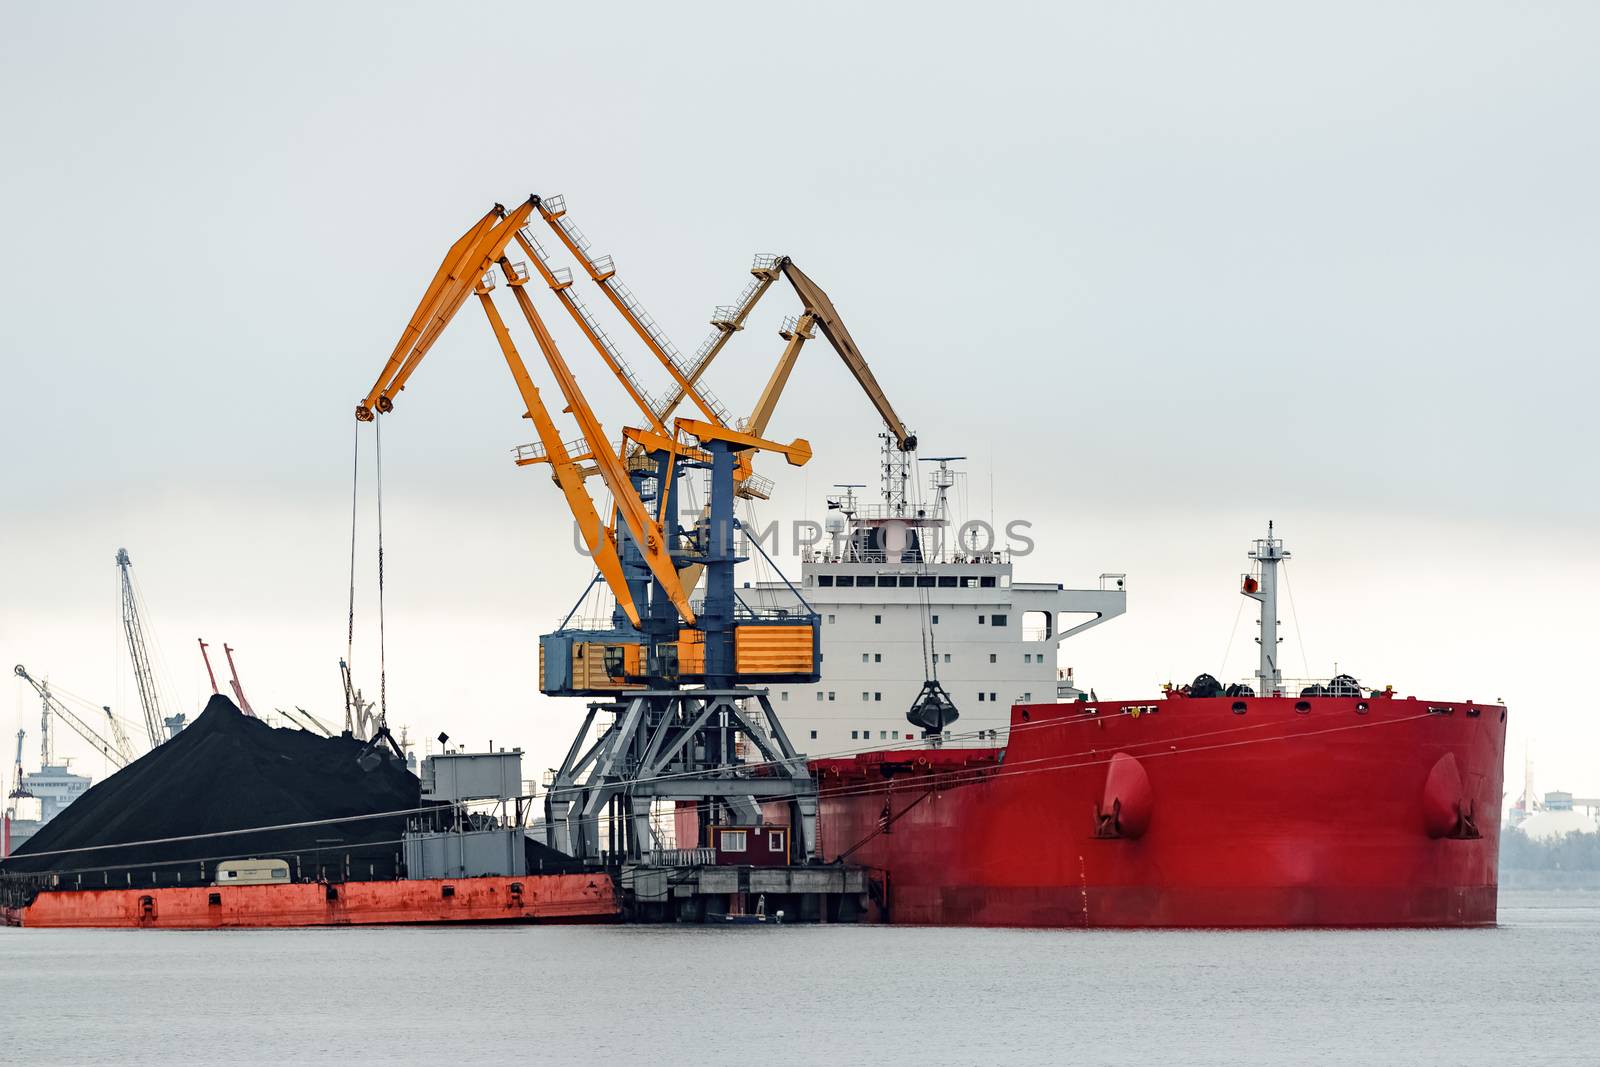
469	269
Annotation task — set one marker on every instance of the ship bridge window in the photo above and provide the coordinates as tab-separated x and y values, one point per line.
925	581
969	583
947	581
907	581
986	582
824	579
845	581
997	620
867	580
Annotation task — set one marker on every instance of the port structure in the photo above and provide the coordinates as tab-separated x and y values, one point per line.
679	678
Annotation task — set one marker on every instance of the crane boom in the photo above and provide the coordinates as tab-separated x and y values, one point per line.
143	677
603	270
827	318
119	736
18	790
726	321
53	705
565	469
471	255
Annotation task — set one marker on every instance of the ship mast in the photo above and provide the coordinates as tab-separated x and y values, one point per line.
1262	586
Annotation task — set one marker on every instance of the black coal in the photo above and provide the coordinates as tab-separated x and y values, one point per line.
229	771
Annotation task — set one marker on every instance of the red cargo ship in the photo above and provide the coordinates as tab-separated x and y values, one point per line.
1318	805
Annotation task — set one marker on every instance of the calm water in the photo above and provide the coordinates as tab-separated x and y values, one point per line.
1523	993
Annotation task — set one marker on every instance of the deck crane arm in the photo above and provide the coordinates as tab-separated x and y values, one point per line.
71	718
826	316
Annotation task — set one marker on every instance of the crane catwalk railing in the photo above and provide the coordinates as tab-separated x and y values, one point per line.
533	242
726	319
648	324
577	448
581	310
603	270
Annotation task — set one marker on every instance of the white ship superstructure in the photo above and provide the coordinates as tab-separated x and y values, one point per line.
901	603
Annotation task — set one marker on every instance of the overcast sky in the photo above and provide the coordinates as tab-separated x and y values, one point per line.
1163	272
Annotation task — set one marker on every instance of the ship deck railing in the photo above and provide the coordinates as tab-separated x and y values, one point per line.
907	557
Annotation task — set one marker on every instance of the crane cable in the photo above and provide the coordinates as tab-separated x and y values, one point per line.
383	678
350	628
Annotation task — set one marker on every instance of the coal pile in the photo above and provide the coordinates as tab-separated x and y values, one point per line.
229	771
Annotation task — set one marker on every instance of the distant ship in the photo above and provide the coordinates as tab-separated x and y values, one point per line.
54	786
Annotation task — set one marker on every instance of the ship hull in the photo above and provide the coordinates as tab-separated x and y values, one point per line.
532	898
1184	812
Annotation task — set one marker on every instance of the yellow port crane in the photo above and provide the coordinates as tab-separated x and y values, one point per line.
468	269
658	641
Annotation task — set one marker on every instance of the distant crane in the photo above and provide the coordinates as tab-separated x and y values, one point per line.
52	705
358	716
119	736
238	690
18	790
156	726
317	724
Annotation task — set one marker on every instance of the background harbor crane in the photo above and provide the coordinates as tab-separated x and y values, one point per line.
52	705
157	726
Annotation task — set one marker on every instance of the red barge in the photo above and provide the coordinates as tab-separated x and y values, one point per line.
534	898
